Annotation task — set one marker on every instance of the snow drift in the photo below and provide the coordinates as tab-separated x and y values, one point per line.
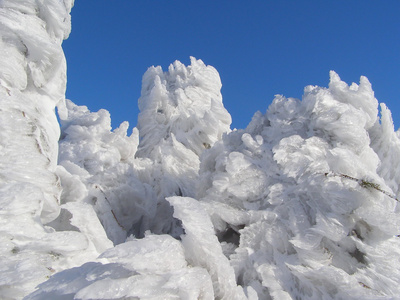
302	204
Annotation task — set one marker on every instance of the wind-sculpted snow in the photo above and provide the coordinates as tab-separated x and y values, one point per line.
203	249
181	115
386	143
184	104
97	167
127	188
150	268
302	204
32	83
325	229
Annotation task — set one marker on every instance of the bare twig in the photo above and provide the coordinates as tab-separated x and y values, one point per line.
112	212
365	184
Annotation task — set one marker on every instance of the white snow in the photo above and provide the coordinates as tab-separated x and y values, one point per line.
302	204
203	249
320	181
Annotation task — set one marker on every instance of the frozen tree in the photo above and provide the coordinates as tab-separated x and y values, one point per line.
301	202
32	84
181	115
98	168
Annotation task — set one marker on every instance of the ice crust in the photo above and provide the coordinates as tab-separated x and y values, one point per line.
302	204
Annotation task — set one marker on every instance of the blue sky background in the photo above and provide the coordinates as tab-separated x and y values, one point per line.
260	48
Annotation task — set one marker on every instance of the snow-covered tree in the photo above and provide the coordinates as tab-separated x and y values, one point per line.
300	201
32	84
181	115
302	204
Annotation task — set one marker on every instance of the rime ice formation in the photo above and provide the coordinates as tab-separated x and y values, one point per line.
127	181
181	115
301	189
302	204
32	83
100	171
128	188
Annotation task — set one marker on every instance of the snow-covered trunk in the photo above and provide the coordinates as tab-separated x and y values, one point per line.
32	83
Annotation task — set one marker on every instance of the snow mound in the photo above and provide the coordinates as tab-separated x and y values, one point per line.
151	268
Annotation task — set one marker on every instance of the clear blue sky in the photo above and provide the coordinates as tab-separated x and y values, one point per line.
260	48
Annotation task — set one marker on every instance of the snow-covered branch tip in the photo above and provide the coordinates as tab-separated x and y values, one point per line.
365	184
